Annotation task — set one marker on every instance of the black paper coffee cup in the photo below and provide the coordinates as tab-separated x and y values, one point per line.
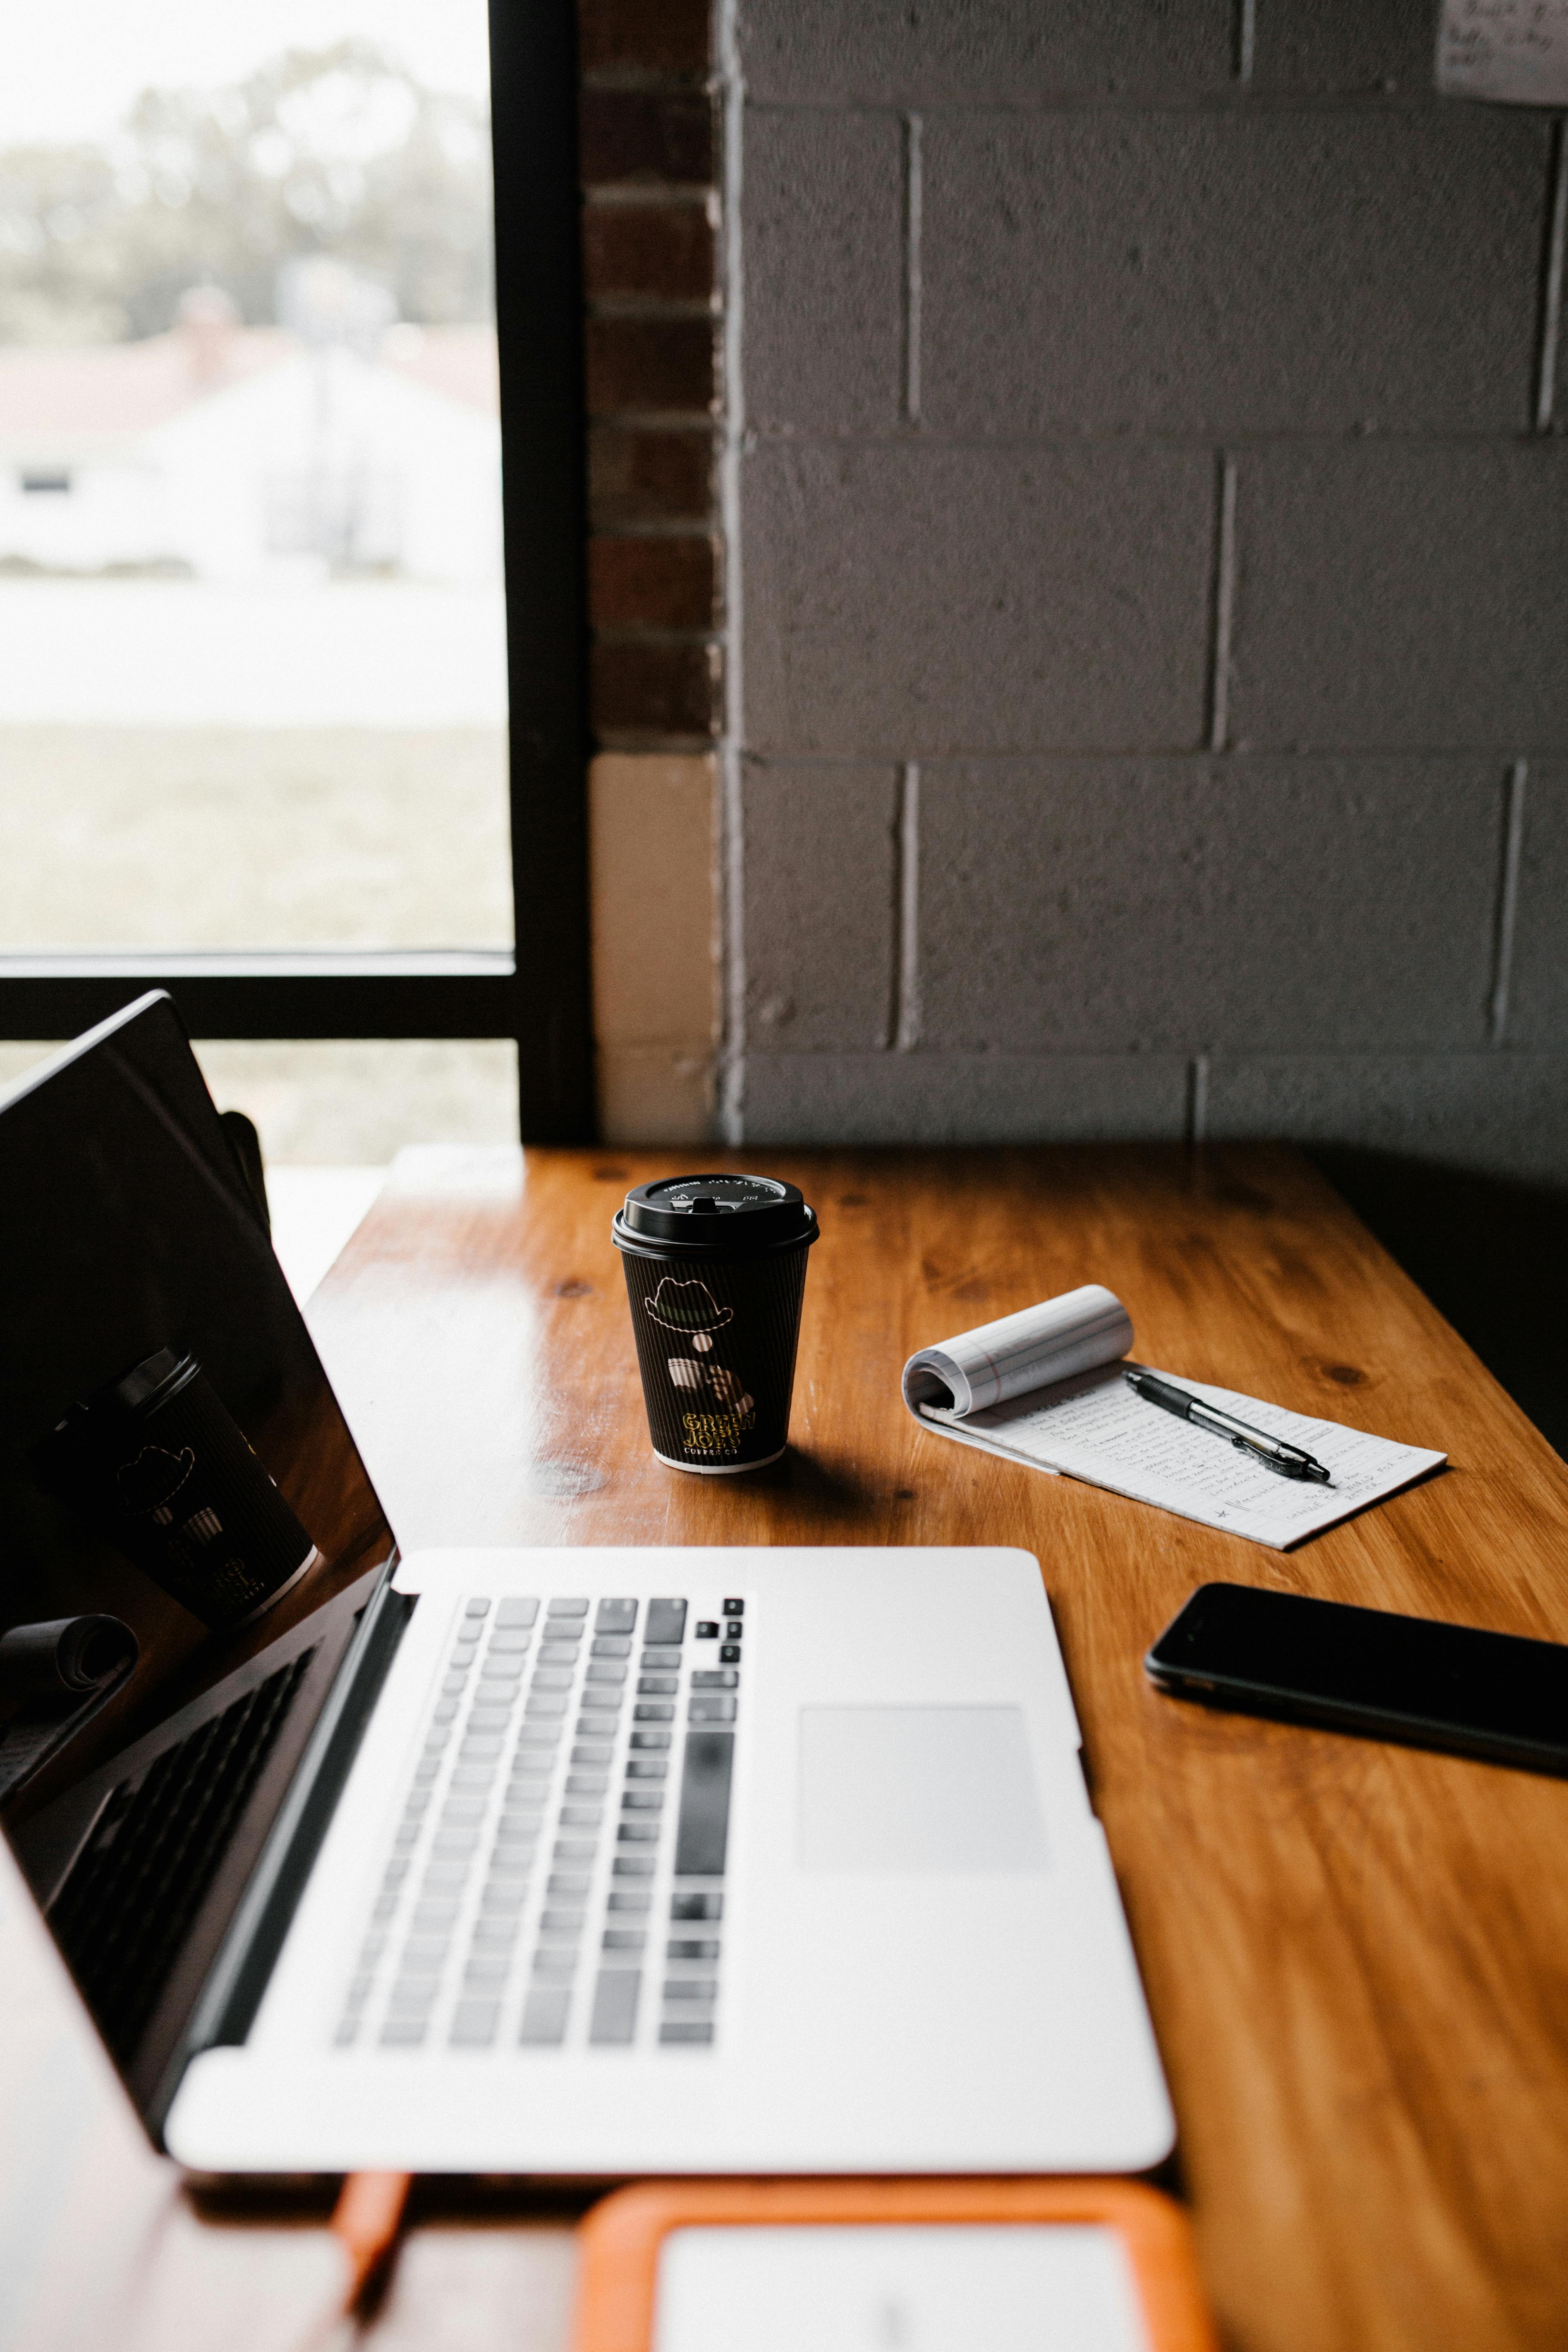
715	1272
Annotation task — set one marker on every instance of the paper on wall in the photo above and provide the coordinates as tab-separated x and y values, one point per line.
1512	50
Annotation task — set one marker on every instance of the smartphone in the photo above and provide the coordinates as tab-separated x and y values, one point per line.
1365	1670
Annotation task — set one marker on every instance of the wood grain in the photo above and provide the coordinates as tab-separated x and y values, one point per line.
1356	1956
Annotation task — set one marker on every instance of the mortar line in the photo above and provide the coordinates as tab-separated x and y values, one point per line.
1552	283
914	192
732	1072
1197	1098
904	1024
1507	896
1246	37
1224	602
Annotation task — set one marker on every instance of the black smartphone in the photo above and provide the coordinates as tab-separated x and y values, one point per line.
1388	1678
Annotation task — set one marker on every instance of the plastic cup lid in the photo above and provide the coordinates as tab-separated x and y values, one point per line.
730	1213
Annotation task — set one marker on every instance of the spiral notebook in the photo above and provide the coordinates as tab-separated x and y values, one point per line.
1044	1387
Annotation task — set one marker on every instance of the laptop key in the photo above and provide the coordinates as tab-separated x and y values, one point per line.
715	1678
509	1644
652	1711
650	1740
710	1709
633	1866
729	1653
426	1950
591	1754
661	1661
568	1608
606	1670
704	1827
587	1784
690	1987
568	1882
605	1645
544	2018
624	1939
474	2022
707	1629
659	1685
697	1906
665	1621
563	1922
402	2033
517	1613
637	1832
476	1608
641	1768
614	1617
685	2029
615	2017
691	1947
642	1801
636	1899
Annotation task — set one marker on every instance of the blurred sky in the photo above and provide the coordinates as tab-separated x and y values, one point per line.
69	69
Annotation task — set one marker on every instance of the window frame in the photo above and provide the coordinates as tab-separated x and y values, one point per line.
536	994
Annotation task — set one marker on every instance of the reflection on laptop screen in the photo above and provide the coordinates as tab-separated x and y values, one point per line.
188	1533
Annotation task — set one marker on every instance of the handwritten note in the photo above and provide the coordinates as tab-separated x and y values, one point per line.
1096	1428
1515	50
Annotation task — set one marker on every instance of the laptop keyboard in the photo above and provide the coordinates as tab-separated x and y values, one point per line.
556	1874
154	1851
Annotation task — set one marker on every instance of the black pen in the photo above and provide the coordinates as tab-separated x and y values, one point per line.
1289	1460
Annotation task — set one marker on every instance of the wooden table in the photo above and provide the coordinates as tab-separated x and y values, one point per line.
1356	1956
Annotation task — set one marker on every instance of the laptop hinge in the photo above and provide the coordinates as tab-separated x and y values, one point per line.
232	1994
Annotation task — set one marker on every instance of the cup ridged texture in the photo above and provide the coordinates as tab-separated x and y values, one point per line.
721	1405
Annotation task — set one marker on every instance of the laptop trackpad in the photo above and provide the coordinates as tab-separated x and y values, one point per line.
886	1789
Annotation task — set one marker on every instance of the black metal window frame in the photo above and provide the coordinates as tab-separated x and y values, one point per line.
538	993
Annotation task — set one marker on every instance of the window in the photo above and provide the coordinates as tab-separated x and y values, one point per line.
273	734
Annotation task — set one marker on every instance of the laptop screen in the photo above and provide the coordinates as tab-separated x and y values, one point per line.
187	1533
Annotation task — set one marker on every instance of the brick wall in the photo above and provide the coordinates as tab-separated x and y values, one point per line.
649	159
1153	539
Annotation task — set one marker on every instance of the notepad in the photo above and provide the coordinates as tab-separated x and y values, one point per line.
1045	1387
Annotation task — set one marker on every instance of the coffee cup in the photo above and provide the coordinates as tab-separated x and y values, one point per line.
715	1269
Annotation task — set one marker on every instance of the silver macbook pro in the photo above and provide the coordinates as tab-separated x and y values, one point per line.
557	1862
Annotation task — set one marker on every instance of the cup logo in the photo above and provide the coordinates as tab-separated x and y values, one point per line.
687	1307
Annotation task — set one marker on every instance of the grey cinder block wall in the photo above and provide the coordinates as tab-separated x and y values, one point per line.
1150	705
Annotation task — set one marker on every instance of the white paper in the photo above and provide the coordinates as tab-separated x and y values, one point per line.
1098	1429
1515	50
1045	1387
1021	1352
953	2287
